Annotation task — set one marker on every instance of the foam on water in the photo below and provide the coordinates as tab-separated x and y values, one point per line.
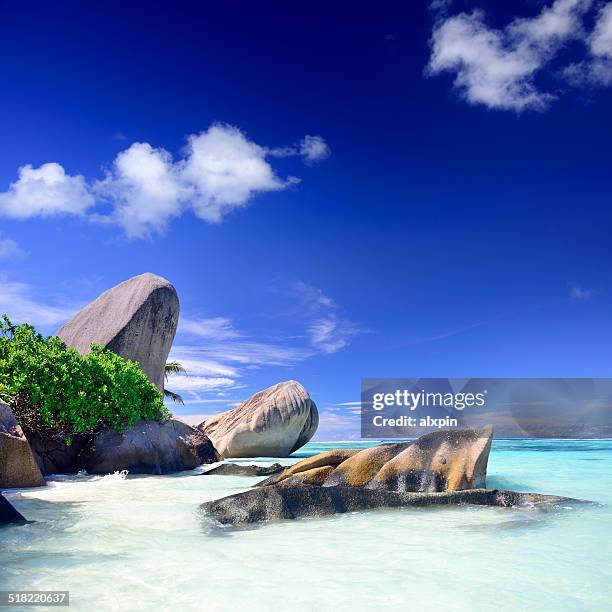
140	543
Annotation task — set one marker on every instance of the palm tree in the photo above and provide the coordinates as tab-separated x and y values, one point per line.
173	367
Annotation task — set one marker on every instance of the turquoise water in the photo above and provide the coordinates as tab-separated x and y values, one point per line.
139	543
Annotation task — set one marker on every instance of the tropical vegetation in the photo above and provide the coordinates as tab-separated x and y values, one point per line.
53	389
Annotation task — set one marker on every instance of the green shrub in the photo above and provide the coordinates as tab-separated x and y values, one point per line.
55	390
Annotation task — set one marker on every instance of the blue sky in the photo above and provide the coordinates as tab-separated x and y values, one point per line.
336	192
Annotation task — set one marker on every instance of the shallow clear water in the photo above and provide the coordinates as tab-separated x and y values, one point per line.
141	544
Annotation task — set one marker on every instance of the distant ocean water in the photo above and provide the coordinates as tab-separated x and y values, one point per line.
139	543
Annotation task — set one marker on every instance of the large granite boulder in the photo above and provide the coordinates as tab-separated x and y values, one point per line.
137	319
8	514
272	423
453	460
358	470
291	502
323	461
54	456
18	467
442	468
150	447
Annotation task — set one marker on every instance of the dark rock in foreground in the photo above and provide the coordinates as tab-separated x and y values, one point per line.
54	456
136	319
18	466
8	514
233	469
150	447
147	447
284	502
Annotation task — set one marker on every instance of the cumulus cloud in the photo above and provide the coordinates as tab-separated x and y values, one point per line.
219	171
314	149
144	190
596	70
223	169
9	249
45	191
601	39
498	67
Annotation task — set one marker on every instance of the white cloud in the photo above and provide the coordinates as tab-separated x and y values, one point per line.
199	364
223	353
17	302
9	249
312	297
314	149
144	190
601	39
252	353
217	328
221	170
328	332
597	69
497	67
220	364
195	384
331	333
45	191
580	293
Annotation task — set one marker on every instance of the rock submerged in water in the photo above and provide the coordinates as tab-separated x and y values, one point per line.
8	514
149	447
292	502
18	466
234	469
272	423
441	468
453	460
136	319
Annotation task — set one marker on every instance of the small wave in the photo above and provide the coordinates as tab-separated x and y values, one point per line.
84	477
115	476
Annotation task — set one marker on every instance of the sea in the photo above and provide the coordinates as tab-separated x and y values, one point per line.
130	542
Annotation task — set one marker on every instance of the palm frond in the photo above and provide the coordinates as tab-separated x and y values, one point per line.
173	367
175	397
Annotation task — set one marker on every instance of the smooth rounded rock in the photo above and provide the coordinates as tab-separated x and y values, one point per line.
453	460
331	459
150	447
136	319
359	469
272	423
